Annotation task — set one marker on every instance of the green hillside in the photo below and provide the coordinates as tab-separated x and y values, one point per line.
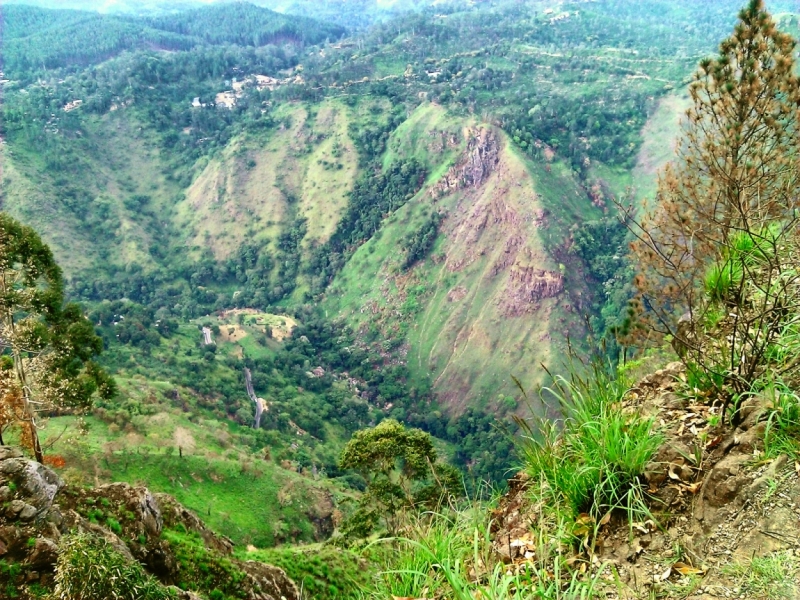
431	199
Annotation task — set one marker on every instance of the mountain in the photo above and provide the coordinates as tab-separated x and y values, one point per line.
292	225
349	13
41	39
430	203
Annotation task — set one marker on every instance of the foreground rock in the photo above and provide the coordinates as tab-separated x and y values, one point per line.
717	504
37	508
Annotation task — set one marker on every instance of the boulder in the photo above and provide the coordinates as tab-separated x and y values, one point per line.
136	500
272	581
36	484
44	555
9	452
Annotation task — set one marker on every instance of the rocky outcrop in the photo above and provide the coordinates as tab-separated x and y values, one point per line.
34	486
37	508
476	164
527	287
272	581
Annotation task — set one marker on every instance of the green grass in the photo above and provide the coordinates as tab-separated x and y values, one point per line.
204	570
322	572
413	139
90	568
770	577
236	493
450	556
592	462
782	434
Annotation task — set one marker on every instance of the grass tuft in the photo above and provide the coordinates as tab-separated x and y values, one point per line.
782	433
594	462
450	556
773	576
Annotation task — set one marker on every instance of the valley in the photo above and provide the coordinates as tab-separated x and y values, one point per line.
424	208
340	216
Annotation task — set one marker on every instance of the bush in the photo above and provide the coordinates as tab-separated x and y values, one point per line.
595	462
89	568
204	570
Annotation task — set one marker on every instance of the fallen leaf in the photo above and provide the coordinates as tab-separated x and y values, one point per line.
673	474
685	569
694	487
606	518
641	527
580	530
665	575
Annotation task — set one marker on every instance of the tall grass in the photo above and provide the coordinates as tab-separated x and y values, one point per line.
782	433
450	556
593	460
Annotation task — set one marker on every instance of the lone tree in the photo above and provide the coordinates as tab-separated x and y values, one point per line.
718	252
402	474
46	347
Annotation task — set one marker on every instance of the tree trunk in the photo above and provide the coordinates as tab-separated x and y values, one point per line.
30	413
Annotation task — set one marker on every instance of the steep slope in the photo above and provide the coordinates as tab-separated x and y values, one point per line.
492	300
103	202
303	170
145	530
659	139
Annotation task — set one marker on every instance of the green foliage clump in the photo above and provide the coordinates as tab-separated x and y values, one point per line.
10	571
723	279
744	253
324	573
204	570
594	463
418	244
403	474
51	344
89	568
782	433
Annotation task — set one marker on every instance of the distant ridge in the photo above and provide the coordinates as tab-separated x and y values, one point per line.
51	39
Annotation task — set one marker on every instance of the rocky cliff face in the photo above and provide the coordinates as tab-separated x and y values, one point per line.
475	166
37	508
527	287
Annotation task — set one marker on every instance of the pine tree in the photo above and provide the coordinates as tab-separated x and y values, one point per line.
46	347
716	252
